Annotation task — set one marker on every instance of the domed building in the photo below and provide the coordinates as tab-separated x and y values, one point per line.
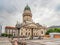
30	28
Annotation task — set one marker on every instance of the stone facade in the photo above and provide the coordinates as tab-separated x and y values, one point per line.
11	30
28	26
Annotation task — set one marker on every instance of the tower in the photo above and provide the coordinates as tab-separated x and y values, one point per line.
27	15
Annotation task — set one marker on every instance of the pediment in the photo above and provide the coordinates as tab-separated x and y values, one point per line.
32	25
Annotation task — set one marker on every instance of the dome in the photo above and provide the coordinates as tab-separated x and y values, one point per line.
27	11
27	7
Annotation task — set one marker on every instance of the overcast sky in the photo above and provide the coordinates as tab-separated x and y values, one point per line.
44	12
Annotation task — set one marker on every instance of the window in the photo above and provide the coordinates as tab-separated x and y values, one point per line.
41	32
26	29
26	33
21	33
29	33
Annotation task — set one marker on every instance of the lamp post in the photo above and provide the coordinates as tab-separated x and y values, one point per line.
18	26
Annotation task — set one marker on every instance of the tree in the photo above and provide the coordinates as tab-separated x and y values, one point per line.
53	30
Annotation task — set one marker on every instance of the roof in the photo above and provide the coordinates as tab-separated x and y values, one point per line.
31	25
27	7
9	27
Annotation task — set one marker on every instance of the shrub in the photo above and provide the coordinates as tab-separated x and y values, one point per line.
6	35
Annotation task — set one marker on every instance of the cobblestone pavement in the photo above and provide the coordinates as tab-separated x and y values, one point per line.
44	42
4	41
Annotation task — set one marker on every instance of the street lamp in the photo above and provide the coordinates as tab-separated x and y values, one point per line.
18	26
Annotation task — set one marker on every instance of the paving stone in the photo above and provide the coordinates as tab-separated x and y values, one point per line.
4	41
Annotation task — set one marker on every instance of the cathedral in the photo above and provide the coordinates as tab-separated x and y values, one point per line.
28	27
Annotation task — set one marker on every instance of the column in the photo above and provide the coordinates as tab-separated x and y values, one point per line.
31	33
12	31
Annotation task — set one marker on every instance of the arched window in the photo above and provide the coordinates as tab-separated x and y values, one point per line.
21	33
29	33
41	32
26	33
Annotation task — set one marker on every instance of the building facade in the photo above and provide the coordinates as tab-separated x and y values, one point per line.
28	27
54	35
11	30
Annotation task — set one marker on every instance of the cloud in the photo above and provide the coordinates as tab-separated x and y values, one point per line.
45	12
58	8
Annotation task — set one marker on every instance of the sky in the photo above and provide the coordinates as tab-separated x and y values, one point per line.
44	12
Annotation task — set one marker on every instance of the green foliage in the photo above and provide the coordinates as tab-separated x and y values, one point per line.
53	30
6	35
10	35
